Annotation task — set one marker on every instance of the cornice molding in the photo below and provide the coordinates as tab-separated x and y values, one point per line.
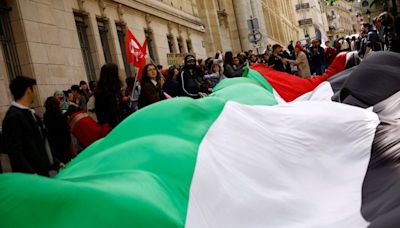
161	10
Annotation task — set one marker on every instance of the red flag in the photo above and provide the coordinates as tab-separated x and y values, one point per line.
142	60
135	52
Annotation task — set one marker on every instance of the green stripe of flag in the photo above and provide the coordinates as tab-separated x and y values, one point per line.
138	176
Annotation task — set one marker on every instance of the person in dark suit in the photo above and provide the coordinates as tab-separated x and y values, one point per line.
151	84
24	138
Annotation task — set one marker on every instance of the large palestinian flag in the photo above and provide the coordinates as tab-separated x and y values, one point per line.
233	159
376	79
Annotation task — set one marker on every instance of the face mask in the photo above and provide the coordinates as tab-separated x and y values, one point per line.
191	66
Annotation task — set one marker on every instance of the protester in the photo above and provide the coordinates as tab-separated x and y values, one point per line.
317	57
91	109
151	85
83	86
291	49
303	68
253	59
388	36
365	28
330	53
229	70
108	96
171	86
79	97
216	75
190	78
24	136
374	38
276	60
58	130
61	98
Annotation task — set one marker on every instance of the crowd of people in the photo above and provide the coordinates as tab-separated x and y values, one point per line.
76	117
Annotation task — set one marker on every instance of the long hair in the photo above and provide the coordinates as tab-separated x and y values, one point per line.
216	65
52	105
228	58
386	19
109	79
145	77
171	73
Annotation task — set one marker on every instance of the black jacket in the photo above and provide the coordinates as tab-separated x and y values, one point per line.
171	87
59	135
276	63
24	142
189	81
107	109
230	72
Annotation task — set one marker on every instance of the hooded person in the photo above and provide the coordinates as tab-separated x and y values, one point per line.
190	78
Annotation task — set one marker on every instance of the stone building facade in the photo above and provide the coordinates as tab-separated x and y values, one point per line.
281	21
60	42
221	28
340	19
311	18
227	27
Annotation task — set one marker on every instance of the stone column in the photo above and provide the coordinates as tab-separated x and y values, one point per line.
258	12
208	14
243	13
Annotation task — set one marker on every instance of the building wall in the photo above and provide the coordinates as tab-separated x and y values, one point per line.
226	26
342	20
221	30
316	12
49	49
281	21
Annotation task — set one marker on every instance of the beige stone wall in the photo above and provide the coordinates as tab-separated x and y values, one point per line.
221	28
47	47
48	44
316	12
281	22
343	21
227	31
5	98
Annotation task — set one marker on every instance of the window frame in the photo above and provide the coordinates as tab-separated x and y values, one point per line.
121	33
8	45
81	27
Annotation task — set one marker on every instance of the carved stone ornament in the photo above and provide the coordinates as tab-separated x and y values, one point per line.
169	26
188	33
180	27
81	5
121	12
102	6
147	18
